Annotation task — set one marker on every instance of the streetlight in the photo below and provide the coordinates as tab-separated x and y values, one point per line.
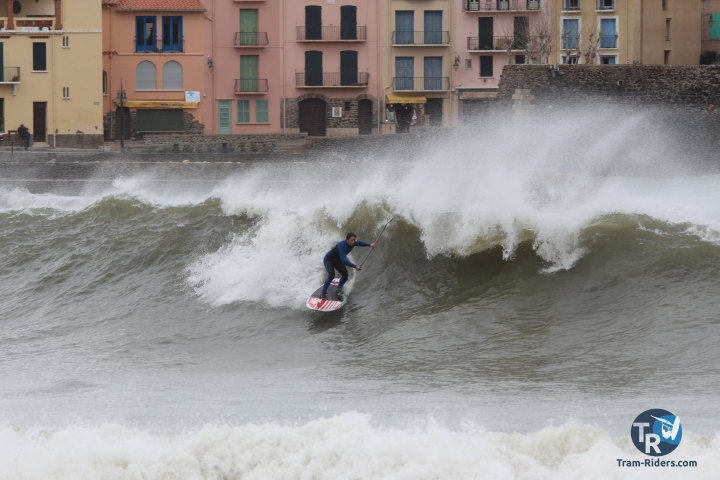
120	102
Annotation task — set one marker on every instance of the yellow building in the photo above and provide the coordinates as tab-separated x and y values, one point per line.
418	52
51	76
626	31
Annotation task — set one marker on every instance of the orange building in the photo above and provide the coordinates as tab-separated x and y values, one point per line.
153	66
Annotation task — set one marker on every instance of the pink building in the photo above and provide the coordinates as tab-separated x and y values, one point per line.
153	50
243	41
332	82
491	34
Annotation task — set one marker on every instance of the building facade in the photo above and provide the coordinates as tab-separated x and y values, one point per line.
153	64
490	35
331	67
610	32
244	80
41	44
418	69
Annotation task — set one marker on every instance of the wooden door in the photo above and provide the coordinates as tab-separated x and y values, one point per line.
39	121
365	117
312	117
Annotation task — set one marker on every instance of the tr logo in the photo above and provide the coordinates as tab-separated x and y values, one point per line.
656	432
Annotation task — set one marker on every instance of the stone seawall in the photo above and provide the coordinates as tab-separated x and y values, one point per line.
671	85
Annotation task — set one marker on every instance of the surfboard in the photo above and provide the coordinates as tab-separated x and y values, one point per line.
331	302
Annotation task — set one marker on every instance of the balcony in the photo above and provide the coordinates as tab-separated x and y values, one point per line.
421	84
35	23
497	43
251	85
251	39
421	39
332	80
343	33
501	5
10	76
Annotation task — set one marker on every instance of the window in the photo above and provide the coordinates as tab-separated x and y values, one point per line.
571	4
172	76
606	4
248	26
249	73
65	41
520	59
243	111
608	60
262	114
485	33
664	4
348	67
433	27
145	34
104	82
313	67
433	73
404	27
313	22
486	65
608	33
146	76
468	64
39	57
667	29
348	22
66	92
172	34
571	33
404	73
570	59
666	57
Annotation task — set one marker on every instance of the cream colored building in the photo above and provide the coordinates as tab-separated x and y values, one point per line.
51	79
626	31
418	54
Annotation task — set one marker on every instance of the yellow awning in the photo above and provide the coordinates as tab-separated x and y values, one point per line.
405	99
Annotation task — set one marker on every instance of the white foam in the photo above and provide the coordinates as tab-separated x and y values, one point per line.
346	446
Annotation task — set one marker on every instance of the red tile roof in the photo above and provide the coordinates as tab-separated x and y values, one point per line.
163	5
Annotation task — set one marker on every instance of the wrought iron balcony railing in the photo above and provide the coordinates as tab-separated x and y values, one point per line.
251	39
332	79
343	33
500	5
421	83
424	38
251	85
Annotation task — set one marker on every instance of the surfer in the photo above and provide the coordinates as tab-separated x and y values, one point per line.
336	259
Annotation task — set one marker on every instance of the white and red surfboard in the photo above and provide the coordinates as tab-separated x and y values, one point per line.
330	303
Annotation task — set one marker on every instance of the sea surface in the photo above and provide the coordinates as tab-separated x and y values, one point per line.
539	286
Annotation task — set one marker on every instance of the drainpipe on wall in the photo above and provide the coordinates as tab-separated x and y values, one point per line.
282	60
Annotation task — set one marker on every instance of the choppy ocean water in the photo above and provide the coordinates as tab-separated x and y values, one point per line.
531	297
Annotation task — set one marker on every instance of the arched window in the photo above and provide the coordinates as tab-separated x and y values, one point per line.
172	74
146	76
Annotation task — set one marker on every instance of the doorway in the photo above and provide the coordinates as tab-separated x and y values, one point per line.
39	121
365	117
312	117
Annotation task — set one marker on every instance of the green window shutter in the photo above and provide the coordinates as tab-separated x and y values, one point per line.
243	111
262	114
248	73
224	116
248	26
715	27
